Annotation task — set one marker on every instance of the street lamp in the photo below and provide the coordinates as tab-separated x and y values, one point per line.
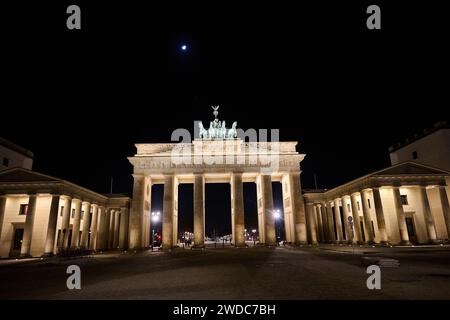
156	216
277	216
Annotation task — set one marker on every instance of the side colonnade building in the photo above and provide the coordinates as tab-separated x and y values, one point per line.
405	204
40	215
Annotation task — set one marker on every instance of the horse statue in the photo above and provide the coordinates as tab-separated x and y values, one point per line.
232	133
203	131
223	131
211	130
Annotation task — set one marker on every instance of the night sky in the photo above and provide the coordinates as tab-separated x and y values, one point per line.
81	99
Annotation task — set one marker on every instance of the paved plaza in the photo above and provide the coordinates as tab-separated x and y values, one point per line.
326	272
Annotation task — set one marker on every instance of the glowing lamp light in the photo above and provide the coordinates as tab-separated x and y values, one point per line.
184	47
155	216
277	214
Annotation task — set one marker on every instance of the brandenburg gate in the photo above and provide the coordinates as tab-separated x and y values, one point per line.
217	155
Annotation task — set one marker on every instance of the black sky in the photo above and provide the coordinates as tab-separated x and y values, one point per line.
80	99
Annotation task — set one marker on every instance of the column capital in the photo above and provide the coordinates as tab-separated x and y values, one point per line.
346	196
76	200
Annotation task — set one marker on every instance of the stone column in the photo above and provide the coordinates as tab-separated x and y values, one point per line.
367	217
326	228
199	211
261	210
65	223
168	208
85	226
356	220
112	216
94	228
400	217
429	220
116	229
123	237
269	220
289	223
338	222
29	223
238	209
76	224
52	225
312	225
102	237
380	216
175	214
2	212
137	213
346	214
298	208
445	208
331	232
319	222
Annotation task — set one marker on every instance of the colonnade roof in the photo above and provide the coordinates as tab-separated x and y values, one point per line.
24	181
402	174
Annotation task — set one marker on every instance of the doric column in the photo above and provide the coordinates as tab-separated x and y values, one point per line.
116	229
289	224
261	210
85	226
2	211
199	211
298	207
269	219
123	237
237	207
445	208
76	223
102	237
326	228
332	234
52	225
400	217
65	223
338	222
380	216
29	223
318	214
112	220
312	225
356	220
94	228
367	218
346	214
137	213
168	209
429	220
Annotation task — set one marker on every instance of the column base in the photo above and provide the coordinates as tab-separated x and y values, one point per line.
25	255
405	243
436	241
301	243
198	247
48	255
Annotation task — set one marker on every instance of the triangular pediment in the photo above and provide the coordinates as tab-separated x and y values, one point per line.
24	175
410	168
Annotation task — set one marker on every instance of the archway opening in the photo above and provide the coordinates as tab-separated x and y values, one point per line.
218	211
186	213
278	211
154	233
250	214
